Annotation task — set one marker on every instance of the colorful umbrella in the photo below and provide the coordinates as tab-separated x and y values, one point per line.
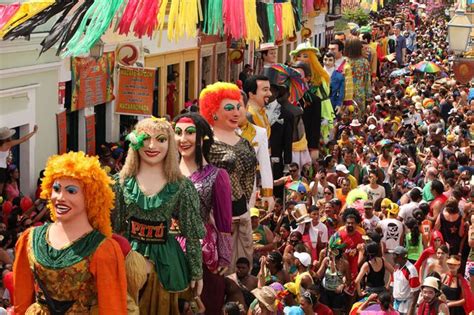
292	80
298	186
427	67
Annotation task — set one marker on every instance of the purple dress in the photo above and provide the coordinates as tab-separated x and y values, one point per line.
215	194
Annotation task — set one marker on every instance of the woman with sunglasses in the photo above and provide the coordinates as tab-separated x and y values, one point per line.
328	196
456	289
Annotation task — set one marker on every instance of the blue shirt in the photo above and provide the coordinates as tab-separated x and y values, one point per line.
337	87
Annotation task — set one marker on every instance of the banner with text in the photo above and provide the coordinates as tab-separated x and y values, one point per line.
92	81
90	135
135	92
61	123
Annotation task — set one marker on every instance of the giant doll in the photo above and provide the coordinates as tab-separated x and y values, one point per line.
219	103
151	194
194	138
72	265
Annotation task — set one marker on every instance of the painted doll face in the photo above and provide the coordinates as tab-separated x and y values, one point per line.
328	62
303	56
185	135
228	114
155	147
68	199
271	56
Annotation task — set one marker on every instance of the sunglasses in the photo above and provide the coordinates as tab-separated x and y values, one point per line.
293	170
307	295
328	193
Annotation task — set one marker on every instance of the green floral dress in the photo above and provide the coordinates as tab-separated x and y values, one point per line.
146	221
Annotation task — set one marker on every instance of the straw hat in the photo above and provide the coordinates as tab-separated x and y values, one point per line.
431	282
6	133
267	46
266	295
304	46
236	56
301	214
453	260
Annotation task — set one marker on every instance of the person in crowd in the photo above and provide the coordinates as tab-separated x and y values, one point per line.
194	138
406	283
431	302
6	144
239	285
383	299
91	270
456	289
451	225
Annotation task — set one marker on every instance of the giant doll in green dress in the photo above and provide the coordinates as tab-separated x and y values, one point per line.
150	191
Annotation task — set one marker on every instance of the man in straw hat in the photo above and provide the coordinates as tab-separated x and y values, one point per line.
266	300
430	292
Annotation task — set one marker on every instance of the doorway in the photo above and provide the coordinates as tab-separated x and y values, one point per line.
100	122
72	121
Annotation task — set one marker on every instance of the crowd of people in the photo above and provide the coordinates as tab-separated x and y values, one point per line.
341	183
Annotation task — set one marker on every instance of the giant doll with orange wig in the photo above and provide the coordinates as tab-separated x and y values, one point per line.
318	114
219	103
72	266
151	195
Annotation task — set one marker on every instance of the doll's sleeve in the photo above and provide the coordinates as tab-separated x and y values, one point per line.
108	268
191	226
223	216
118	214
23	280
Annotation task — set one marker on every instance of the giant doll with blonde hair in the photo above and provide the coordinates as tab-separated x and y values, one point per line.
219	104
318	114
151	191
72	266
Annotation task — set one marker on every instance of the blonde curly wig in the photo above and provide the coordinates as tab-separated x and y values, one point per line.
97	186
171	161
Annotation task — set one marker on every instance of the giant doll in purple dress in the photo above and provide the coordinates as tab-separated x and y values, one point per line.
194	137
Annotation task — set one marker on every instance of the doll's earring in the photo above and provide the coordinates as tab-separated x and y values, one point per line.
214	117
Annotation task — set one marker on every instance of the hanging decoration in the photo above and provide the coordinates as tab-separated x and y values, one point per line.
26	11
254	33
41	18
7	11
79	26
288	20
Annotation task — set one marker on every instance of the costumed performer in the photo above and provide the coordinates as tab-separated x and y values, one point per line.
150	191
257	137
72	266
194	137
219	104
283	76
319	86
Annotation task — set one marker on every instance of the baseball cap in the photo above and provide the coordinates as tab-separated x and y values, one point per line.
342	168
304	258
368	204
254	212
400	250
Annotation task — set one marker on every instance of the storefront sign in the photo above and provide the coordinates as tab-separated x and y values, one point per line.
92	81
463	70
90	135
61	122
135	94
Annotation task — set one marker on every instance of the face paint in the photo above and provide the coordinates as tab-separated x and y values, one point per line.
231	107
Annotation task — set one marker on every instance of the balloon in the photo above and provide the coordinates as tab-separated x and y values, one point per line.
26	203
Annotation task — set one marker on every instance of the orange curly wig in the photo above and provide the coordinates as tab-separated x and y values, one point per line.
96	184
211	97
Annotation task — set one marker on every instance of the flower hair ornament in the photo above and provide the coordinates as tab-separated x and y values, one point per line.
136	139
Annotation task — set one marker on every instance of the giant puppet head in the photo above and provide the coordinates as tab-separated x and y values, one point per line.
151	143
75	183
219	104
306	53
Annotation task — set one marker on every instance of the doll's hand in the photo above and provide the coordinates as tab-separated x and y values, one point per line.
196	286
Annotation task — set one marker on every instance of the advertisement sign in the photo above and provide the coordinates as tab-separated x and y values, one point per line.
92	81
135	92
61	123
90	135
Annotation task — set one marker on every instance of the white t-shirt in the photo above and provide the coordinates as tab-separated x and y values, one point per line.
406	211
314	231
374	194
405	282
370	224
392	231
